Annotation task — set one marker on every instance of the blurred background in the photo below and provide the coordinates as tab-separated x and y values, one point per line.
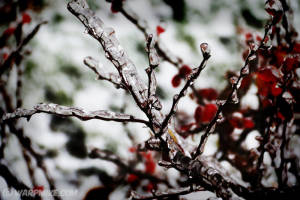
54	72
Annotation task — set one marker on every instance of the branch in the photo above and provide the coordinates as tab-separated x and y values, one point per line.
153	62
190	81
109	156
143	26
102	75
232	97
168	194
12	181
11	58
65	111
113	50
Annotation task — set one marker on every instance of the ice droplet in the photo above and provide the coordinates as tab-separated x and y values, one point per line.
220	118
107	55
253	57
288	97
86	31
234	97
245	70
220	102
175	97
205	49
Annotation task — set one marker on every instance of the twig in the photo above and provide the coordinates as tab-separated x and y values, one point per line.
168	194
190	81
109	156
115	79
9	61
233	94
65	111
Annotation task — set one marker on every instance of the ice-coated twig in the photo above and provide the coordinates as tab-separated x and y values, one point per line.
10	60
153	63
114	78
232	97
190	81
167	194
65	111
113	50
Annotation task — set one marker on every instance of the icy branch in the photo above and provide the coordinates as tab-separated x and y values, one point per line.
10	60
190	81
113	50
168	194
142	25
65	111
102	74
153	62
232	97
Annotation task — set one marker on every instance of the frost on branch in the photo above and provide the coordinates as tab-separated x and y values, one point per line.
65	111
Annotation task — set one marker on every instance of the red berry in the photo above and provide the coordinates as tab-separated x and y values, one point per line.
185	70
159	30
176	80
26	19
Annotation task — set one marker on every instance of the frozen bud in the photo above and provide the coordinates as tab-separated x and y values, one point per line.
205	50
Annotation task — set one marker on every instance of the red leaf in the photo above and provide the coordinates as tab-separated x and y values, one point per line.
132	178
296	48
159	30
176	80
291	63
26	19
209	112
150	166
198	114
248	123
266	75
280	116
5	56
9	31
208	93
248	36
184	71
149	187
